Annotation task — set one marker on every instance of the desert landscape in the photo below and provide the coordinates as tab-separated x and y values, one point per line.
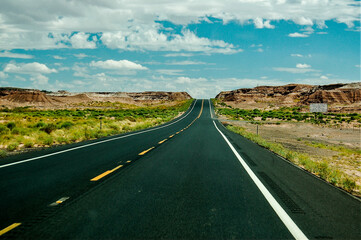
31	119
18	97
208	119
279	117
343	98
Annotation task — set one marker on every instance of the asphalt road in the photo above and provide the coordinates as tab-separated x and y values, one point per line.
189	179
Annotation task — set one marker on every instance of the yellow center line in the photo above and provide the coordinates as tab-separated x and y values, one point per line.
162	141
144	152
9	228
200	113
106	173
60	201
101	176
116	168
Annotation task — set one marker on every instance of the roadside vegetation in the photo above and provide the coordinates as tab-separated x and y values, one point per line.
26	128
288	114
336	162
320	168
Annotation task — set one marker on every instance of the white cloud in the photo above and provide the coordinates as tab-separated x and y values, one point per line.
259	23
256	45
295	70
303	21
7	54
170	71
183	80
63	69
179	55
28	68
117	65
4	83
296	55
358	66
299	35
188	80
30	25
80	40
324	77
186	63
308	30
39	80
145	38
80	55
302	65
267	24
3	75
25	39
17	77
58	57
79	70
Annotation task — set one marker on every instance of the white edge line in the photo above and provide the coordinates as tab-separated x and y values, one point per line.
91	144
210	108
305	171
285	218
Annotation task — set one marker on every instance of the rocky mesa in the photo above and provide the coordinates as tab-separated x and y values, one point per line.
18	97
339	97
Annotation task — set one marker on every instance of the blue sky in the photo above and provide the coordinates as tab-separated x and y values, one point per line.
201	47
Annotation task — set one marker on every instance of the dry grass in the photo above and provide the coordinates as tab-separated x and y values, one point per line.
24	128
318	167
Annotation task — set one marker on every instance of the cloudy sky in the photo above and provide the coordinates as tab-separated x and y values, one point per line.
201	47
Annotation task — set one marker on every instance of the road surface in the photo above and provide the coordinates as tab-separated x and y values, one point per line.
188	179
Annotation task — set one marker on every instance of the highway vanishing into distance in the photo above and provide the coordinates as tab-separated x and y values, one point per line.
190	178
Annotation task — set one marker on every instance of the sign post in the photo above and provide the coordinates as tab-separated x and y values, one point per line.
318	107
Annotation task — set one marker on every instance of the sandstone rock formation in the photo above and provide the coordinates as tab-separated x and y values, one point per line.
340	97
26	97
17	97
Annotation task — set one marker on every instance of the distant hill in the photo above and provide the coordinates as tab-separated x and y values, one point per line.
340	97
17	97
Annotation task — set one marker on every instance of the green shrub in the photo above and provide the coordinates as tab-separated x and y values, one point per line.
47	140
2	153
11	125
48	128
66	125
62	139
114	127
15	130
28	144
76	136
40	125
348	184
334	177
12	146
3	129
126	127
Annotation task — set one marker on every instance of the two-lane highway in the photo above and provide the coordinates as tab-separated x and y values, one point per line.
29	182
190	180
